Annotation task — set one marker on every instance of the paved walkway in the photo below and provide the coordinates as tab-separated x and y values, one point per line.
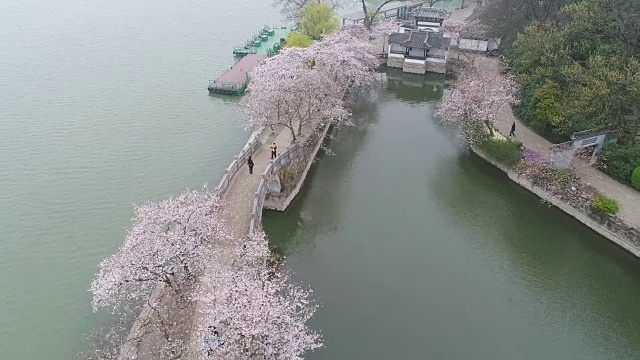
238	206
239	197
628	198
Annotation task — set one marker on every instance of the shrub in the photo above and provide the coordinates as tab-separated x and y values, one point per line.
506	152
298	40
602	207
619	162
635	178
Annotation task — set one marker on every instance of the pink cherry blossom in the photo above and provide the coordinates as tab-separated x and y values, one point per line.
475	99
162	247
307	87
255	309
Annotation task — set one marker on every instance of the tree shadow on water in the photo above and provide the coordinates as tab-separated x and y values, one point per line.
325	184
577	277
414	88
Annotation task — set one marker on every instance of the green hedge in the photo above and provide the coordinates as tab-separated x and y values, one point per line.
602	207
506	152
635	178
619	162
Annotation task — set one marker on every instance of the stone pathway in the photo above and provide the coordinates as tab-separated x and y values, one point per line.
238	206
628	198
243	187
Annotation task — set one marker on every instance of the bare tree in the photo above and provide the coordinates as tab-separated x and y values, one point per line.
291	8
506	18
433	2
372	9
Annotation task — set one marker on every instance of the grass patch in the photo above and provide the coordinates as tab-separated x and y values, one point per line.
602	207
506	152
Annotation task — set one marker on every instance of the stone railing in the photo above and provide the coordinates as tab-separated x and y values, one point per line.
129	350
239	161
269	173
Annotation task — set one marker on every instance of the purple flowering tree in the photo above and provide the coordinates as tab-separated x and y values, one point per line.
475	100
254	310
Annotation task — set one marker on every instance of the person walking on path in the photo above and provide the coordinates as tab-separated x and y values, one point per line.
250	163
513	129
274	150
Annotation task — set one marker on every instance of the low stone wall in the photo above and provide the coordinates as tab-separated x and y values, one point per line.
272	170
436	67
254	142
297	172
395	62
614	229
414	68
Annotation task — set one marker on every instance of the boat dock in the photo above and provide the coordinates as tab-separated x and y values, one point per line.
235	80
267	41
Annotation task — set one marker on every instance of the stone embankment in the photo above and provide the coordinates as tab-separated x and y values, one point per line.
613	228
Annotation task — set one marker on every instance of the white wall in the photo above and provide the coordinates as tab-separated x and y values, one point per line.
416	52
396	48
473	45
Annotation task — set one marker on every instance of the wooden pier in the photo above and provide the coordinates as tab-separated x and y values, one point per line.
235	80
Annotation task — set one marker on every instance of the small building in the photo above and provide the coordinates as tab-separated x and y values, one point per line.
428	19
419	51
592	139
476	40
396	9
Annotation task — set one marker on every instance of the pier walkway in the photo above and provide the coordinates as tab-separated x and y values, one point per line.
235	80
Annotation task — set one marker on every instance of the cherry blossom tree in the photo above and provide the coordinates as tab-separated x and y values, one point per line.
469	30
385	27
292	90
475	99
254	310
347	57
162	247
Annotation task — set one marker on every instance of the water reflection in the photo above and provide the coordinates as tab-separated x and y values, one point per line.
402	234
345	143
579	280
414	88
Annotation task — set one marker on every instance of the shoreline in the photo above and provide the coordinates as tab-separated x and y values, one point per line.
626	244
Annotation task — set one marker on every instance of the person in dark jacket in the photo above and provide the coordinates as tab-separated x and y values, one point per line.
513	129
274	150
250	163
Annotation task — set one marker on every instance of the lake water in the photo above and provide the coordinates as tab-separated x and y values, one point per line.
418	250
414	249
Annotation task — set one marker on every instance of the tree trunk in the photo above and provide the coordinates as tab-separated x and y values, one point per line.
293	133
489	127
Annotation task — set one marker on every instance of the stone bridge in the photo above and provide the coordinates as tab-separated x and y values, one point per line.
243	195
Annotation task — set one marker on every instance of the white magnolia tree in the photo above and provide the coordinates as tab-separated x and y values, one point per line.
256	312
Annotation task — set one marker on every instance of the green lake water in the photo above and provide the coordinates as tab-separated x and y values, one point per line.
415	249
418	250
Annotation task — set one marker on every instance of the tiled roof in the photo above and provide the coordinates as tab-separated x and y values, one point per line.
420	39
438	40
430	13
399	38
